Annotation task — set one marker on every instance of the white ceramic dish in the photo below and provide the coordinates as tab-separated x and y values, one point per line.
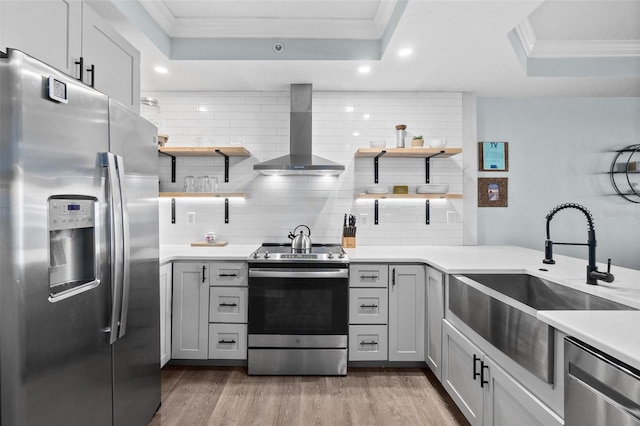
377	144
432	188
377	190
437	143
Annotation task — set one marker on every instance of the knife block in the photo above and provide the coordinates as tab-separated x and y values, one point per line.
349	242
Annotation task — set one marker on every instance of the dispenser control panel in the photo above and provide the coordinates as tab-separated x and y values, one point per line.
71	214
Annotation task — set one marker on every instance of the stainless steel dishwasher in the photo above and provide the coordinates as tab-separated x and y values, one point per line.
599	390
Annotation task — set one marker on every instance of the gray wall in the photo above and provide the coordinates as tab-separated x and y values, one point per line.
560	150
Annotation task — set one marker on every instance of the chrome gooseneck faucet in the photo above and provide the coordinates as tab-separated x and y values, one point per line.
593	275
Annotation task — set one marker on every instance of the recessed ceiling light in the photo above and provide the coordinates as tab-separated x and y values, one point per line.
356	133
161	70
349	108
366	116
405	52
364	69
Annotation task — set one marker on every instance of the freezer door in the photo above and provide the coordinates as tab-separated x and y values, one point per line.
136	354
55	361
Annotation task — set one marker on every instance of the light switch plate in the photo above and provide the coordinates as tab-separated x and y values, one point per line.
191	218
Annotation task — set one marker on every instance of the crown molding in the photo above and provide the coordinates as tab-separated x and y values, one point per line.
526	35
161	14
586	49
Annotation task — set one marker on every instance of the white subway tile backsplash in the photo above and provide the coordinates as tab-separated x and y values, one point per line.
277	204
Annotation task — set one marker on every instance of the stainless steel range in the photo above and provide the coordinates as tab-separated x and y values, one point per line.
298	310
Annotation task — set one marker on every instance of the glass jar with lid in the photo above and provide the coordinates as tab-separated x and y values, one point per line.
150	110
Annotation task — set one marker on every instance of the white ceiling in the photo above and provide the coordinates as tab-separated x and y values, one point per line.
492	48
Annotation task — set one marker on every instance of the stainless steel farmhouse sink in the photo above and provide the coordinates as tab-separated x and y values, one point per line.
502	309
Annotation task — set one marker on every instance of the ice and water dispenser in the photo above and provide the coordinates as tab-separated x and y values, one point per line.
72	246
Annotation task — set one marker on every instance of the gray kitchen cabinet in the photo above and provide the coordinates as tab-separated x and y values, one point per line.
166	279
434	315
228	310
406	312
50	30
60	32
115	62
368	312
484	392
190	325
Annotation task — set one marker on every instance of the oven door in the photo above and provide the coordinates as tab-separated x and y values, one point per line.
298	302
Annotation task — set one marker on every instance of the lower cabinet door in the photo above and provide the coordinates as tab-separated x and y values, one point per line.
227	341
507	402
368	343
460	360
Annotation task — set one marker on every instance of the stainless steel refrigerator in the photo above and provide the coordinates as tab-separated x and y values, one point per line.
79	295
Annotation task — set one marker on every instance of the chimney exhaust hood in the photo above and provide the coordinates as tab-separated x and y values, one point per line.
300	160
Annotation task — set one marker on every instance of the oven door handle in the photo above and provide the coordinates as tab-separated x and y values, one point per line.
298	273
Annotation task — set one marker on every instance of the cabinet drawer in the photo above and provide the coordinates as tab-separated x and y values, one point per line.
228	273
228	304
368	275
368	305
227	341
368	343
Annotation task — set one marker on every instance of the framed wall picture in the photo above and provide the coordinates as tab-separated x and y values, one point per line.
493	156
493	192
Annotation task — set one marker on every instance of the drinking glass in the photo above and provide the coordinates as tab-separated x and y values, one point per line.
214	184
189	184
203	184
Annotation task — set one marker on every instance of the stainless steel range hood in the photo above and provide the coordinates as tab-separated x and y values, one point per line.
300	160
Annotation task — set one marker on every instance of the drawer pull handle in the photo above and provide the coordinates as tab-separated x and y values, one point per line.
482	380
372	343
228	275
227	342
372	306
368	277
228	305
476	374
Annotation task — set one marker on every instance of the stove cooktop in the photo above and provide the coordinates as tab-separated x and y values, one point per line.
272	252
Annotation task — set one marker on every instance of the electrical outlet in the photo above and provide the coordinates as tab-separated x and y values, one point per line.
364	220
191	218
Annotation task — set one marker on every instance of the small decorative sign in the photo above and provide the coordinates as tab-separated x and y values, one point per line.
493	156
493	192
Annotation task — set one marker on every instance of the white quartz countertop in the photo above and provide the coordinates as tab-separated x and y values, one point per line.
614	332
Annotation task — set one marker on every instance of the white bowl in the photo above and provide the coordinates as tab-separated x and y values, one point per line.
377	144
438	143
432	188
377	190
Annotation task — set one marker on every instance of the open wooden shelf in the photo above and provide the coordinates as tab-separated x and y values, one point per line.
203	194
407	196
407	152
205	151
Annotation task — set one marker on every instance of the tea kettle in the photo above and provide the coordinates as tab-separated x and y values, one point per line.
300	243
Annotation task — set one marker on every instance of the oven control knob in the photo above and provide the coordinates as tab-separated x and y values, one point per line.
266	255
330	255
341	255
255	254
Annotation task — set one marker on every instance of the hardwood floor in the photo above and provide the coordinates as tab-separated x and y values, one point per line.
366	396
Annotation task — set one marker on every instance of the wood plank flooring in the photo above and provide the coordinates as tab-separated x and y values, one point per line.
366	396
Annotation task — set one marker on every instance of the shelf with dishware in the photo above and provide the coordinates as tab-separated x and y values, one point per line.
203	151
203	194
406	196
407	152
427	154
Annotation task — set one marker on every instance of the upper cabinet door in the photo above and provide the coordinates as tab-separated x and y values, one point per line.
47	30
116	63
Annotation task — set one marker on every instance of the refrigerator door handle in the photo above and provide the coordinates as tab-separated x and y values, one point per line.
109	161
126	248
